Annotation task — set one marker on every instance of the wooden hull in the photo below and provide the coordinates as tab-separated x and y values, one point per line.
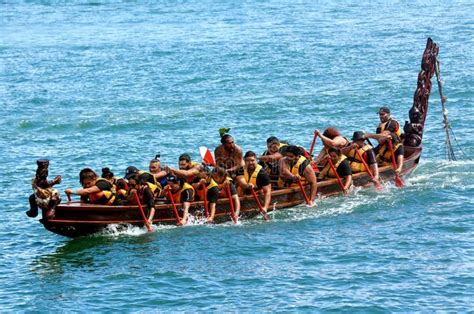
74	219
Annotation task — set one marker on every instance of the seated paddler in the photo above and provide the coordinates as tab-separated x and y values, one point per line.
216	187
270	158
94	190
331	137
295	167
179	192
157	171
337	161
141	188
153	184
388	130
360	149
188	169
252	176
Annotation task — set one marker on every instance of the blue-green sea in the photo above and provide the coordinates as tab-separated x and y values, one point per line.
112	83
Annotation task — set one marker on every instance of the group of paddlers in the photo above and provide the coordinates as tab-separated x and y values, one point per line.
233	173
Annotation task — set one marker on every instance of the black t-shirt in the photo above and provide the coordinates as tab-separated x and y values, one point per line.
187	196
344	169
103	185
262	178
148	177
370	156
212	194
148	197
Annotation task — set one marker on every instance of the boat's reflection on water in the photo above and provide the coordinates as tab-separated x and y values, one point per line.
93	252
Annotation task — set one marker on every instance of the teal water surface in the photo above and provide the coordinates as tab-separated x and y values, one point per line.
94	84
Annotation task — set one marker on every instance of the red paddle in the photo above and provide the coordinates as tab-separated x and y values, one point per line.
376	183
304	193
147	224
259	205
337	175
312	144
398	181
206	211
231	203
178	220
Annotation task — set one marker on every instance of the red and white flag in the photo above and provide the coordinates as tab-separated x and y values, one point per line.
206	155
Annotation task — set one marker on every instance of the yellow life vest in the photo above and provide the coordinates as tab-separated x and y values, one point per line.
382	126
155	188
384	155
177	195
327	172
250	179
356	163
105	197
295	171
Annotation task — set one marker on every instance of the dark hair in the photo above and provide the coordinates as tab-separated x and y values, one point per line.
295	150
121	184
250	154
225	137
334	149
185	157
272	139
220	171
86	173
106	173
331	132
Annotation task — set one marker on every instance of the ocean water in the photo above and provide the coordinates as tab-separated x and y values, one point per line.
106	83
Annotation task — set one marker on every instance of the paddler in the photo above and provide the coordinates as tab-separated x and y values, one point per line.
358	148
94	190
188	169
216	185
270	158
138	185
342	166
155	169
295	167
252	176
331	137
181	192
388	129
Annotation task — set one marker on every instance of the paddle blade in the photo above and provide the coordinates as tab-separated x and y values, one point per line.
398	182
206	156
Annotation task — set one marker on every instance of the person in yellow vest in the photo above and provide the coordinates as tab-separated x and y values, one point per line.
182	192
270	158
253	176
342	166
94	190
388	129
366	151
138	185
294	167
216	185
154	185
331	137
188	169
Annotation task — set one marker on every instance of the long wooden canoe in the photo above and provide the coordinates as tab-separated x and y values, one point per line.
74	219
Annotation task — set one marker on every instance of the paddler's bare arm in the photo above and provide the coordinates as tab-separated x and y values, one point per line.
92	189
